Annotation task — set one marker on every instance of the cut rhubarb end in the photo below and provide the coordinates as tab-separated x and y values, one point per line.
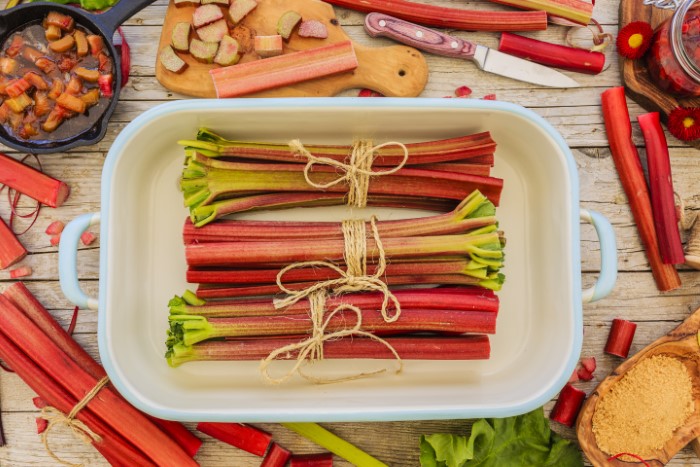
463	91
589	363
41	425
313	28
32	183
55	240
38	402
245	437
489	97
55	228
584	374
24	271
11	250
87	238
620	337
568	405
277	456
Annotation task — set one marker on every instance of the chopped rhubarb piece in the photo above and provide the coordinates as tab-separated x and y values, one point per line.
268	46
584	374
313	28
276	456
180	38
46	65
246	437
53	33
213	32
369	93
19	103
240	8
620	337
106	84
55	240
91	76
589	363
36	81
65	22
206	14
11	250
96	44
87	238
489	97
8	65
170	60
55	228
57	88
463	91
203	51
62	45
286	24
321	459
283	70
568	405
42	104
23	271
72	103
38	402
32	183
228	53
15	47
17	87
41	425
81	44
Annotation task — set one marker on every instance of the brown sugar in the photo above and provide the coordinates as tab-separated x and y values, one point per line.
642	410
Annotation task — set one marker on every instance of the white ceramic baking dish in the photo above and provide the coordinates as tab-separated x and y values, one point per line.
142	265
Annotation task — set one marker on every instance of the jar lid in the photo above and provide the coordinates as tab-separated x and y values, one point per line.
685	37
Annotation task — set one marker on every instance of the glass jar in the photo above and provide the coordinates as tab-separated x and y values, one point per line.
674	56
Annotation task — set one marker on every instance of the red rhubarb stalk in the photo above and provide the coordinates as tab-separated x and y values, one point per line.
576	11
469	20
246	437
568	405
620	337
11	250
629	169
18	294
321	459
32	183
277	456
555	55
124	418
661	189
474	347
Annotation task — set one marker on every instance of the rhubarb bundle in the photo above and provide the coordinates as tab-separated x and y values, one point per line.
62	373
223	177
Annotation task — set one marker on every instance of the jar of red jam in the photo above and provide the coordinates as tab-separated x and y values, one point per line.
674	56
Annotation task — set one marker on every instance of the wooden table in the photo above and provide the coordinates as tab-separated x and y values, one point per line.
575	113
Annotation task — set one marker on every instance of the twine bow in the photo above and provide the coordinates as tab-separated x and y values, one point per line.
356	173
80	430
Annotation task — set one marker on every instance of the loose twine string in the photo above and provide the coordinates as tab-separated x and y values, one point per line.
355	278
356	173
80	430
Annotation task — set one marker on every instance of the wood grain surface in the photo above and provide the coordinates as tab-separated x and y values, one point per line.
574	113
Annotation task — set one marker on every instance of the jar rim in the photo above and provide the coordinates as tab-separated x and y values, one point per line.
689	65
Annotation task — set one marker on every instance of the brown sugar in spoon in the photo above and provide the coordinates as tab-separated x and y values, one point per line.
682	344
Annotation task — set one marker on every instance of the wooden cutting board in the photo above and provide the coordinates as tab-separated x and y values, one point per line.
635	75
397	71
681	343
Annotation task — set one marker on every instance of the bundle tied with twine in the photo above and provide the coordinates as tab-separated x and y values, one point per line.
356	173
80	430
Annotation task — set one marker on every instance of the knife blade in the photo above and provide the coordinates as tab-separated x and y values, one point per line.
439	43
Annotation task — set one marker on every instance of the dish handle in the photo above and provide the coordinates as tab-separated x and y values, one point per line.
68	260
608	257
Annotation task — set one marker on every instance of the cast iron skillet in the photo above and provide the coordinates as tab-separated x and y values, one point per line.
104	24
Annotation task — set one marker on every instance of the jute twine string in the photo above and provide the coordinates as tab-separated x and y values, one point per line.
354	279
356	173
80	430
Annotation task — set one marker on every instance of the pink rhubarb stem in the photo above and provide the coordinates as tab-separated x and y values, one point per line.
558	56
246	437
11	250
32	183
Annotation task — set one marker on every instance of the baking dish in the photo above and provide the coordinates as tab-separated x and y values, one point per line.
142	265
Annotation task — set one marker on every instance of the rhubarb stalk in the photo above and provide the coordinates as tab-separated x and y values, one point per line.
568	405
629	168
555	55
577	11
620	337
246	437
32	183
321	459
11	250
277	456
661	189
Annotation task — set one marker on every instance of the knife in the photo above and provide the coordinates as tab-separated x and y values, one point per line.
493	61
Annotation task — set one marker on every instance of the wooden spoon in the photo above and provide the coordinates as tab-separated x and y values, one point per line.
681	343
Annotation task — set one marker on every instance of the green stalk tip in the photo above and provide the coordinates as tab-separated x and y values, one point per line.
192	299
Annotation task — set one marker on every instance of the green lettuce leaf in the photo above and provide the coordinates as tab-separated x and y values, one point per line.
87	4
524	440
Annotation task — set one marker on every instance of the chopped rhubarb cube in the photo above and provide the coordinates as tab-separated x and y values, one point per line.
463	91
313	28
55	240
584	374
105	82
55	228
65	22
87	238
589	363
23	271
41	425
489	97
96	44
206	14
240	8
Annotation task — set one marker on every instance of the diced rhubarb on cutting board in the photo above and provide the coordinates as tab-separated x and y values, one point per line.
313	28
170	60
268	46
217	2
206	14
180	38
213	32
240	8
228	53
203	51
283	70
286	24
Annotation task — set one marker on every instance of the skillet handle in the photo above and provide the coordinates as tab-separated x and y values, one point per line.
608	257
68	260
123	10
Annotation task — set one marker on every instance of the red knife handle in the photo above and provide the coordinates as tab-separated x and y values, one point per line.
429	40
